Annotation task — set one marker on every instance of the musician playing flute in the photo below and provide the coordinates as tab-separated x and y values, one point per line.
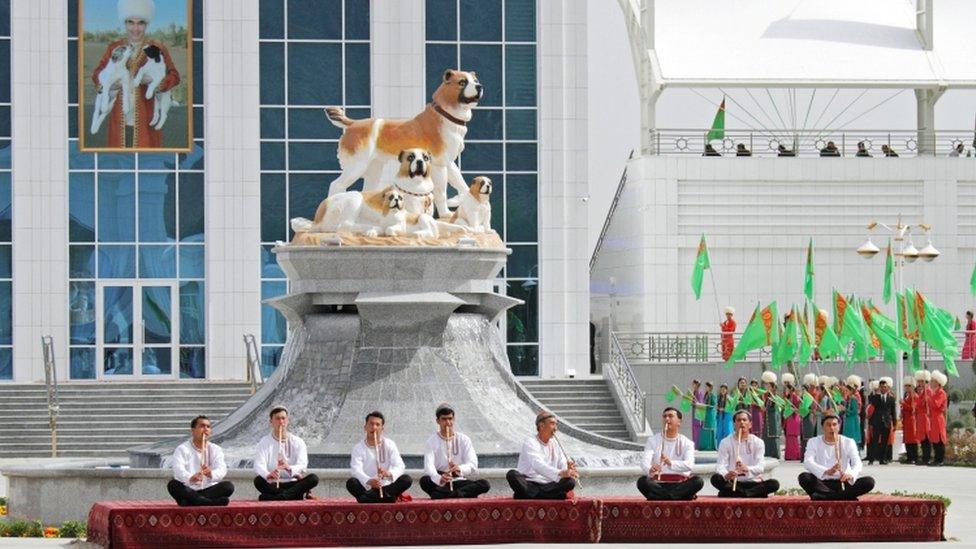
376	466
281	462
832	459
669	458
739	469
199	469
449	459
543	471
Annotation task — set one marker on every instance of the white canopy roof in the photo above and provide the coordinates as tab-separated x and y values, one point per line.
812	43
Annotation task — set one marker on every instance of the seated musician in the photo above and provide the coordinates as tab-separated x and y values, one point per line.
281	462
668	459
449	458
376	465
739	470
833	465
543	472
199	469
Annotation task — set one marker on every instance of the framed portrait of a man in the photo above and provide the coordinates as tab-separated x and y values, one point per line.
135	60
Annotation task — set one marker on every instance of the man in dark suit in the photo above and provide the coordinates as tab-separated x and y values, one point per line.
882	421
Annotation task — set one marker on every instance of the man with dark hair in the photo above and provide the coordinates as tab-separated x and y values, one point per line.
668	459
833	465
199	469
739	469
376	465
882	420
543	472
449	459
281	462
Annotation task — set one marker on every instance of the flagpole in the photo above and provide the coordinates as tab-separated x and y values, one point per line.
718	309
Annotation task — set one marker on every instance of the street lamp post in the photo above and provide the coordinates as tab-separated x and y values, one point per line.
905	252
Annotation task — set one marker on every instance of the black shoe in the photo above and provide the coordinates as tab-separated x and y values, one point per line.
817	496
883	462
870	462
271	497
222	502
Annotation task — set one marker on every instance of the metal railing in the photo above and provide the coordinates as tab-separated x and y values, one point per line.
51	386
664	347
252	363
810	143
623	382
609	218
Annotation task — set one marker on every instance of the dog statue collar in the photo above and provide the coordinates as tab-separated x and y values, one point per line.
402	190
440	110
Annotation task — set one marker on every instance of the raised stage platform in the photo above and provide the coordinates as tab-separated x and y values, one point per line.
342	522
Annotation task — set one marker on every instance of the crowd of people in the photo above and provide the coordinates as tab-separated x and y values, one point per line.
830	150
787	416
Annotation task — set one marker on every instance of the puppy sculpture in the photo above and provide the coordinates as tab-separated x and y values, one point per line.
369	213
414	182
474	211
115	72
367	145
155	69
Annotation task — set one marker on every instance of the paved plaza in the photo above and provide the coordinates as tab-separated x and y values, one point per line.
956	483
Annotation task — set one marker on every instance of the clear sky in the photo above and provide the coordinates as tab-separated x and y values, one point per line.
99	15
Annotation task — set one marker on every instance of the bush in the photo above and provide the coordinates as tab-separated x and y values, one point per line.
73	529
961	448
955	396
924	495
21	529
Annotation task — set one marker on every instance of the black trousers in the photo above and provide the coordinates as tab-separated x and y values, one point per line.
654	490
830	489
926	451
462	488
294	489
744	488
390	492
878	447
939	448
911	451
218	494
526	489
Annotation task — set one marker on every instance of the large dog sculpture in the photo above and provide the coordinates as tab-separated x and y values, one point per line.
367	145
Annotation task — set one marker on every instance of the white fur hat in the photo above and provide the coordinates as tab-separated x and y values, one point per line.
909	381
886	380
788	378
920	375
824	380
137	9
810	379
730	310
769	377
853	381
874	384
939	378
927	374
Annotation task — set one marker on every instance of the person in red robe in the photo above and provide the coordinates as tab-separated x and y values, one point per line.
923	411
938	404
728	333
792	424
133	130
969	347
909	420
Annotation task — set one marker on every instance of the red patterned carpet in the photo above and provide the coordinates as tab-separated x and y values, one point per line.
342	522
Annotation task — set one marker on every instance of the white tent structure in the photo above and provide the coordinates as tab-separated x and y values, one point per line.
922	45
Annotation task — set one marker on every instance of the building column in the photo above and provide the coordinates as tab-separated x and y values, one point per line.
39	95
397	58
564	259
233	186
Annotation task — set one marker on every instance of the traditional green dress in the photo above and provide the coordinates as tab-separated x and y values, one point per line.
852	419
706	439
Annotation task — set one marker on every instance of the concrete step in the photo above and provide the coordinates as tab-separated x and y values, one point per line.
543	393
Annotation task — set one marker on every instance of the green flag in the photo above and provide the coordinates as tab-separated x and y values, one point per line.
935	328
672	393
718	125
808	280
731	403
826	339
788	344
806	341
805	403
889	271
972	281
700	413
886	332
851	327
760	332
685	405
701	263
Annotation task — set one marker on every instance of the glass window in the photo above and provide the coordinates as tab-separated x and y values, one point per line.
270	355
482	157
157	161
357	74
81	313
116	161
192	319
157	361
315	156
357	19
524	359
521	194
523	262
192	261
6	313
116	207
310	123
521	157
157	321
116	261
193	364
81	207
157	261
82	363
520	124
192	207
269	264
6	208
520	84
118	309
273	123
305	193
6	267
272	19
315	19
486	124
440	57
272	155
520	20
310	74
157	207
5	70
273	207
441	16
523	320
81	262
481	20
487	61
274	329
272	60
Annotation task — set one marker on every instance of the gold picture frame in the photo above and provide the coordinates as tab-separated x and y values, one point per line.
179	116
